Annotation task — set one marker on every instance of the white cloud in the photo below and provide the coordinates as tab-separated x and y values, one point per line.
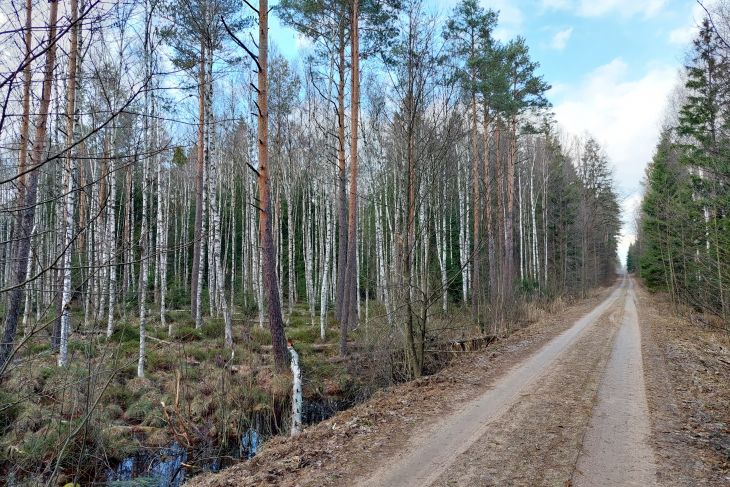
682	35
560	39
511	18
622	113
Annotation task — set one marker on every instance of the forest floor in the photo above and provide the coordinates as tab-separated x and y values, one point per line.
687	363
535	409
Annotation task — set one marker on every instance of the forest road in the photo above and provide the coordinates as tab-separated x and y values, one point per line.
573	413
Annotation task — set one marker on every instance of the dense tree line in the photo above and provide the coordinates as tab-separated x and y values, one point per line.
162	158
684	232
459	188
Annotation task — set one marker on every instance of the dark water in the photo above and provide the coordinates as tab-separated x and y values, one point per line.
164	468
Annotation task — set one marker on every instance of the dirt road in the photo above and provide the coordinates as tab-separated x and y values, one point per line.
538	425
562	401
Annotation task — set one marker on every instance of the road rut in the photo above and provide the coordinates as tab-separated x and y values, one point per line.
616	449
441	455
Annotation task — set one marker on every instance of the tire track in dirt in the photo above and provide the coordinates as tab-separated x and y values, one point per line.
538	440
616	448
432	453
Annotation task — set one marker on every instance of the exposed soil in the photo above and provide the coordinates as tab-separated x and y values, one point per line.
616	450
506	436
346	448
687	365
537	441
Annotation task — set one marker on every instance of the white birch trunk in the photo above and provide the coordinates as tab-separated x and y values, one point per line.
329	222
308	253
463	243
440	226
296	402
217	267
290	243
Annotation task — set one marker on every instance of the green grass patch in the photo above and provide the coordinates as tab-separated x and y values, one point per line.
303	334
260	336
160	360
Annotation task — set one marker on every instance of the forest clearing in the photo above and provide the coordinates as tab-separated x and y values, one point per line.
360	242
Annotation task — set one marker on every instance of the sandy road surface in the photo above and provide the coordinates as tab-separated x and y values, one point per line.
529	428
615	449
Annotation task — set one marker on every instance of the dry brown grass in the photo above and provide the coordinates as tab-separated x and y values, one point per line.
687	362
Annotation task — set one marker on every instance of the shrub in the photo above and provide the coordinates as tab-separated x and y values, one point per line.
187	334
9	409
162	360
214	328
125	332
119	394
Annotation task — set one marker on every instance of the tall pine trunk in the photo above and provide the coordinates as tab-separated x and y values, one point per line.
349	310
27	211
276	323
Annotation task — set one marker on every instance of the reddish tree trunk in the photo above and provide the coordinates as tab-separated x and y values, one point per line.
342	181
276	323
200	169
27	212
349	309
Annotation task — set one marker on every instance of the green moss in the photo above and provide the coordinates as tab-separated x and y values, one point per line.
9	409
139	411
187	334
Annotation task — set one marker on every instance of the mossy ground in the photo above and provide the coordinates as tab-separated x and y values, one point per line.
92	413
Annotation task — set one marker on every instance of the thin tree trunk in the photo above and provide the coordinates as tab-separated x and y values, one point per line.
199	182
329	223
68	187
25	123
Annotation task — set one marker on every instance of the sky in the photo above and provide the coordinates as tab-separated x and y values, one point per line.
612	65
